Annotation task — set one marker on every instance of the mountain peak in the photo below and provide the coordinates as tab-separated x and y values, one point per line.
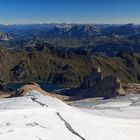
5	36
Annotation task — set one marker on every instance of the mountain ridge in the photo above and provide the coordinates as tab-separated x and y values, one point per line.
61	66
101	39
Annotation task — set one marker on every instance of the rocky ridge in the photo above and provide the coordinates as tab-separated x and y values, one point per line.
5	37
95	85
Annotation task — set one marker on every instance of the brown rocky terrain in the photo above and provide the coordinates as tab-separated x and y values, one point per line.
24	90
131	88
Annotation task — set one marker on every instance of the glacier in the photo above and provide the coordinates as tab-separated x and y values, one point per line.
38	117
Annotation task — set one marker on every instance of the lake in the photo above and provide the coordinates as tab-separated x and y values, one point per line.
45	86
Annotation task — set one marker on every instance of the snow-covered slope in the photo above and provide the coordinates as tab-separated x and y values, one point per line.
36	117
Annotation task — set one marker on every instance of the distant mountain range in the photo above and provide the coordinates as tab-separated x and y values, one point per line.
74	30
102	39
79	31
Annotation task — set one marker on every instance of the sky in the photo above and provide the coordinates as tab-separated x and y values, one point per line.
70	11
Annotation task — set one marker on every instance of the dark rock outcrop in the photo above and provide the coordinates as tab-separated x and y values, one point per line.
95	85
94	78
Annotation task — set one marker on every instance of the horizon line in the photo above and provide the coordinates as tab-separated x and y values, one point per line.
80	23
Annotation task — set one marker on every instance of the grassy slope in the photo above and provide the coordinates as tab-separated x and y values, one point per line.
68	71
